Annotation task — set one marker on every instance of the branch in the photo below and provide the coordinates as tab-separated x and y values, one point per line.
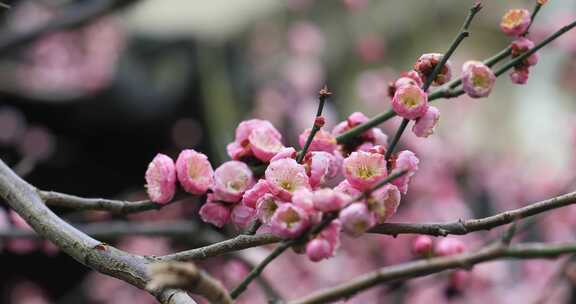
74	15
24	199
426	267
64	200
188	277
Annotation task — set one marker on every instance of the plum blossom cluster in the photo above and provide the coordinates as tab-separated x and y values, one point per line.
291	197
515	23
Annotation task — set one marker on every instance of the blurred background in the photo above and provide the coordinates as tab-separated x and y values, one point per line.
84	110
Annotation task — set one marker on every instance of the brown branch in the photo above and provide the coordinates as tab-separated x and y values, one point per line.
426	267
188	277
24	199
57	199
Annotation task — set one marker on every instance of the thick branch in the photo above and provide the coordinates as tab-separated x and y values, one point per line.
426	267
24	199
57	199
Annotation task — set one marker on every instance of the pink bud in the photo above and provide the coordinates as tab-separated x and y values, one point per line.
356	219
231	180
214	213
426	124
426	64
406	160
242	215
346	188
478	79
520	75
322	141
161	179
318	249
328	200
449	246
515	22
304	199
521	46
285	176
266	140
252	195
289	221
422	245
363	169
194	172
410	102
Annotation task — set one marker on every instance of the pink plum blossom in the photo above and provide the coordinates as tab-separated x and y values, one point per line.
522	45
322	166
194	172
426	64
327	200
231	180
285	176
289	221
242	215
356	219
410	102
363	169
264	144
384	202
215	213
426	124
477	79
304	199
346	188
252	195
266	206
161	179
520	75
322	141
406	160
287	152
449	246
515	22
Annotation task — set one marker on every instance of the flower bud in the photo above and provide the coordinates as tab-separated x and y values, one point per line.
194	172
449	246
356	219
521	46
322	141
477	79
422	245
161	179
327	200
515	22
410	102
520	75
406	160
426	64
318	249
242	215
426	124
215	213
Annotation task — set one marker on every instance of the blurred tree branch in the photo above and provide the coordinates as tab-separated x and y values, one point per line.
73	15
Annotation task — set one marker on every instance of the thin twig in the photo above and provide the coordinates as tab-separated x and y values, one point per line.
322	96
426	267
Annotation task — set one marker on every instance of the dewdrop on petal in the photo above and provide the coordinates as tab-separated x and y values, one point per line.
478	79
231	180
410	102
285	176
426	124
356	219
161	179
215	213
289	221
364	169
194	172
515	22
